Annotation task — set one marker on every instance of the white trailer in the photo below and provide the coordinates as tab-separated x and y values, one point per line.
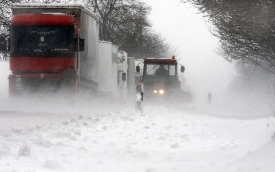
112	71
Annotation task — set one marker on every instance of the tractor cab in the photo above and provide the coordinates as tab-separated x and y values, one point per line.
160	76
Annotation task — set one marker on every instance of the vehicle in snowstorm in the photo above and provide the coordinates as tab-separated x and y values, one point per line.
48	52
160	78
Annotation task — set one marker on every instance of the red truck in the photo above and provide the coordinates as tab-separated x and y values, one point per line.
46	47
48	53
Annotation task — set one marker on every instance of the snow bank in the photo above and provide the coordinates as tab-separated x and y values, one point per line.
164	139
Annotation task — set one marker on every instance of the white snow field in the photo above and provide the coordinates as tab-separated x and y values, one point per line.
106	136
163	139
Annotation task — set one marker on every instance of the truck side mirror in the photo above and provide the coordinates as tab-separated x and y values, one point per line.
2	43
80	46
123	76
8	44
182	69
137	69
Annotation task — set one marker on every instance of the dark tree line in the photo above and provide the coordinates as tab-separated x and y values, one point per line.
246	29
122	22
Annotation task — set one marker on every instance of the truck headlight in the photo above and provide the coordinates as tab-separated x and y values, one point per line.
155	91
161	91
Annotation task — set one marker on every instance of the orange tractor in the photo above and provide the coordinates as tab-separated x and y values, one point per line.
160	79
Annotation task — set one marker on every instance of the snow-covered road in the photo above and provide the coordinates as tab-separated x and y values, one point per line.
162	140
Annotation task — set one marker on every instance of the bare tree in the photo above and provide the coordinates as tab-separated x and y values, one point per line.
246	29
125	23
122	22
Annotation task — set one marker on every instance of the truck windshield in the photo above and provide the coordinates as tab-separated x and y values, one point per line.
47	41
160	73
153	68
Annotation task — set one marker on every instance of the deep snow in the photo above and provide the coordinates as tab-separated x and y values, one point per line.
102	135
164	139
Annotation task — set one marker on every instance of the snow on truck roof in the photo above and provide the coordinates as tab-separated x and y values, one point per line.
76	9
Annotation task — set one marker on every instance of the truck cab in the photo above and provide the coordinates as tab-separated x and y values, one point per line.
44	45
160	77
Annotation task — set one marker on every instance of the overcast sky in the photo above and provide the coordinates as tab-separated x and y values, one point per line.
184	28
